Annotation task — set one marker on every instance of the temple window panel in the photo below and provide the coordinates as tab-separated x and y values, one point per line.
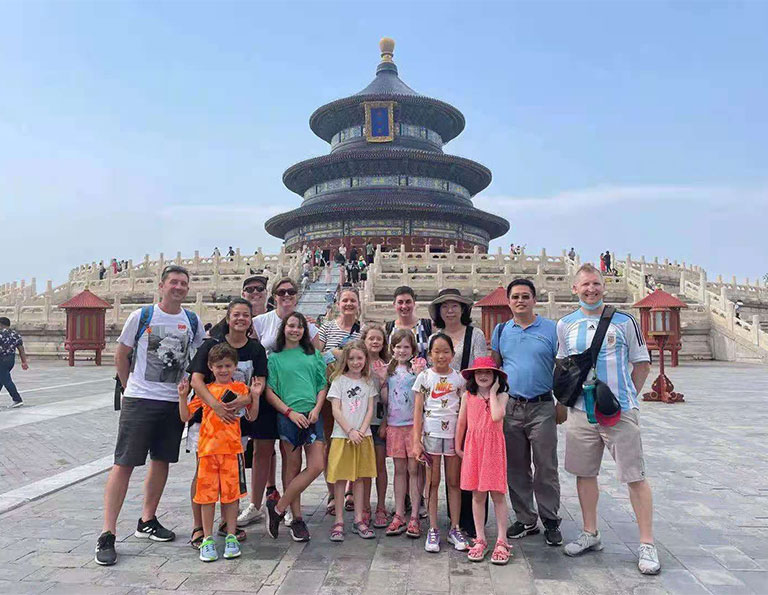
401	129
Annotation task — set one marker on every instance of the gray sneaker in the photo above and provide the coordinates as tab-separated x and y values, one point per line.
648	559
583	543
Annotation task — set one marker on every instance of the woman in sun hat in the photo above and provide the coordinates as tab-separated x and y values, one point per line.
451	313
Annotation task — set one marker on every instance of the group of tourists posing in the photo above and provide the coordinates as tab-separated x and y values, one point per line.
341	399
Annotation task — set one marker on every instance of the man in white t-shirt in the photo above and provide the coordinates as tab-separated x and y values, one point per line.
162	339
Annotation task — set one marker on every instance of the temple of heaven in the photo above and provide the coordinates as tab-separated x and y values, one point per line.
386	179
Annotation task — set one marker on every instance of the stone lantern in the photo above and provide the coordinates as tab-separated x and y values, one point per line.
660	321
85	324
495	310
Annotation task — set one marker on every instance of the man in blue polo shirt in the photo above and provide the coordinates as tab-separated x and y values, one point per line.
526	348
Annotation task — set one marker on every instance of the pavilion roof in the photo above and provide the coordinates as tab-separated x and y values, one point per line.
86	299
660	299
498	297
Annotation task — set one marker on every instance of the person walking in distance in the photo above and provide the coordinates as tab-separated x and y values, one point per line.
162	337
10	342
526	348
623	365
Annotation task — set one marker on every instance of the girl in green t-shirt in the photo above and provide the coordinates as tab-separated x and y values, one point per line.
296	388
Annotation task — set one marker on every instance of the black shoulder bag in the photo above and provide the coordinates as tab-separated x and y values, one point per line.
572	371
467	351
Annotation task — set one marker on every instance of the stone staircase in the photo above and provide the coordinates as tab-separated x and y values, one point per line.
312	301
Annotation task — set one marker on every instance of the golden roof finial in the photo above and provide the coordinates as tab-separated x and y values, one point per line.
387	47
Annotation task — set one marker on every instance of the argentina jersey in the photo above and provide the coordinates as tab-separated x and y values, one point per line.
623	346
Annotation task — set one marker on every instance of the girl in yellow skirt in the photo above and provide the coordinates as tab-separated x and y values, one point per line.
351	456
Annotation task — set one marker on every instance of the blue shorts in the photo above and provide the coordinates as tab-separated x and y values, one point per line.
290	432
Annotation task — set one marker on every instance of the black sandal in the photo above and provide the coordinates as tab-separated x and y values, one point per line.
239	533
196	542
349	503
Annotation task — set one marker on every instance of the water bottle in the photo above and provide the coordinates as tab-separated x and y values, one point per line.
589	397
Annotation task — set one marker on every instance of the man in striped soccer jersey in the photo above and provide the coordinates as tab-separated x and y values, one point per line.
623	364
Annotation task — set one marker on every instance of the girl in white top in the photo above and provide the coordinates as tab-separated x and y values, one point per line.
351	456
438	393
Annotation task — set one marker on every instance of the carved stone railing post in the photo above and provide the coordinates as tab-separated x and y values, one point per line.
756	329
703	293
116	310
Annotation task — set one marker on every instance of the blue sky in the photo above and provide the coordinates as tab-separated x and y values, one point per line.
130	128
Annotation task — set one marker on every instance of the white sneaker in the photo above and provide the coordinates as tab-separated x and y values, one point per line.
583	543
288	517
648	559
251	514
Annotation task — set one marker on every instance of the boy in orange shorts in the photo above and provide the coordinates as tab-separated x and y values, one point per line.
220	465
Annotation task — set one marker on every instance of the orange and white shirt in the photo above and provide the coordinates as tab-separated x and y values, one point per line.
216	436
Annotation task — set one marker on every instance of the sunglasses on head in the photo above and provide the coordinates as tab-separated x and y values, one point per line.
254	288
284	292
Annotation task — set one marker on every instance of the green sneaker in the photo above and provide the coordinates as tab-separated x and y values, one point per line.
231	547
208	551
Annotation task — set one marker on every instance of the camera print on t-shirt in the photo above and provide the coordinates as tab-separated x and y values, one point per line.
244	372
167	353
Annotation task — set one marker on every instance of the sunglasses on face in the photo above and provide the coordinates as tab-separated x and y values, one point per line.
285	292
254	288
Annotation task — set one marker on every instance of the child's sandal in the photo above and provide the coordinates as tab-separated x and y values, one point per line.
196	542
330	508
349	502
501	553
478	551
380	520
364	531
414	528
397	526
337	532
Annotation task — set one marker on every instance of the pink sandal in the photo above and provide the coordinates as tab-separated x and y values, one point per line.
397	526
414	529
501	553
381	520
337	532
478	551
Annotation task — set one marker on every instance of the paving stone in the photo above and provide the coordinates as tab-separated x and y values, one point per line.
732	558
69	589
709	571
681	580
21	588
302	582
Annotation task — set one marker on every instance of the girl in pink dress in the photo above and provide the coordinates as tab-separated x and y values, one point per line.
484	465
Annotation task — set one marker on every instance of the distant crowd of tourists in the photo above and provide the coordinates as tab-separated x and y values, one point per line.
341	399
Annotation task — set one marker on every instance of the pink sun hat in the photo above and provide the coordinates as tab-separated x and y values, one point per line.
483	363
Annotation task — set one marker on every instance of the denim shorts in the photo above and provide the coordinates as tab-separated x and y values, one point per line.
439	446
289	431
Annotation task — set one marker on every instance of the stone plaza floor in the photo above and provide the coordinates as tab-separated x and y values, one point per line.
707	461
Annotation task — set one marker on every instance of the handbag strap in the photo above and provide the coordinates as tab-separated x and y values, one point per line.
467	351
602	328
